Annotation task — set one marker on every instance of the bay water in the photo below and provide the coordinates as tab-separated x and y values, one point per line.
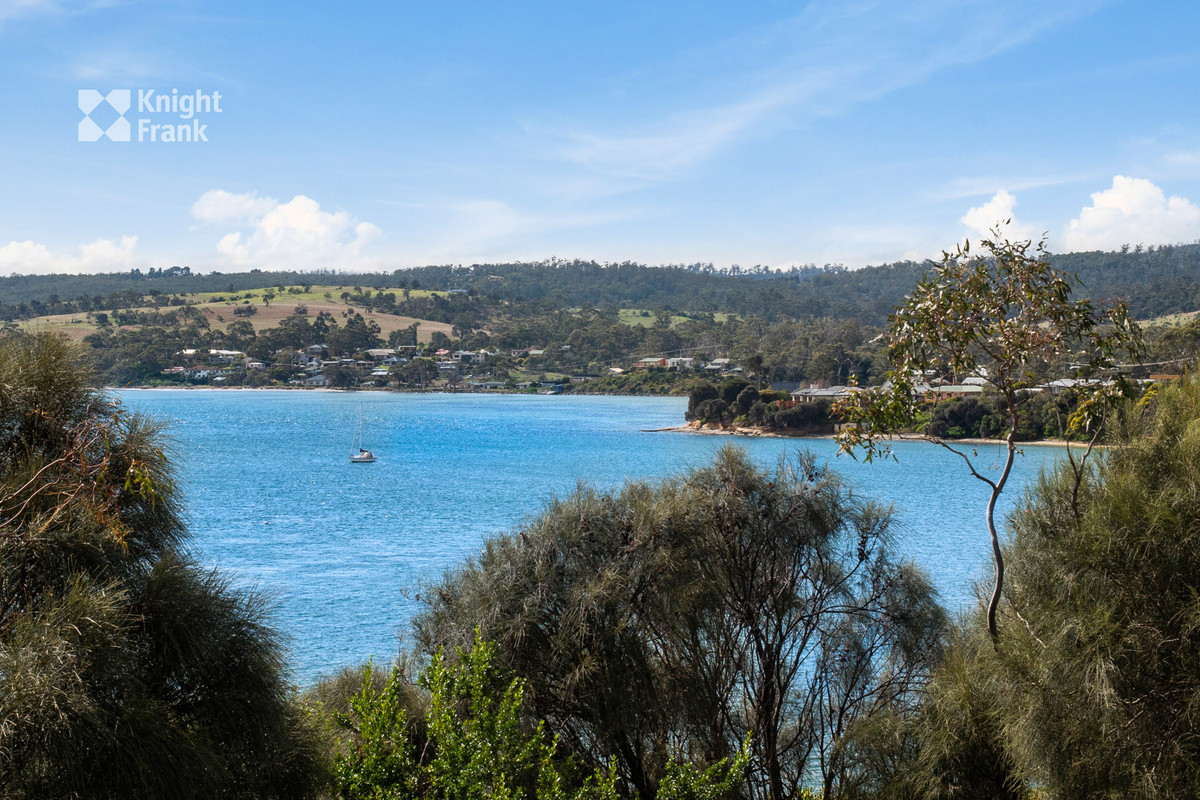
343	550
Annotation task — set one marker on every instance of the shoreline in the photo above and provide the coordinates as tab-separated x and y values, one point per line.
685	428
758	432
374	390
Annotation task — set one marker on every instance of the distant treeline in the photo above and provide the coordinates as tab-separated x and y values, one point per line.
1154	280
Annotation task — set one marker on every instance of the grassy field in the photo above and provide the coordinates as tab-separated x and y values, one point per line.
219	313
291	295
1170	320
646	318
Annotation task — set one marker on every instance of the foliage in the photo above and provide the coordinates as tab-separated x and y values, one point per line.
1091	692
1044	416
1003	317
667	622
1099	678
475	744
125	670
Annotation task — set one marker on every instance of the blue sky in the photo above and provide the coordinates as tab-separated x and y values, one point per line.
385	135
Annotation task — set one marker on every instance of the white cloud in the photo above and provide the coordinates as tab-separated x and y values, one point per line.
1133	211
102	255
218	205
297	233
981	220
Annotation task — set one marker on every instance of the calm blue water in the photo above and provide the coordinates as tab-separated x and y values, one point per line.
273	501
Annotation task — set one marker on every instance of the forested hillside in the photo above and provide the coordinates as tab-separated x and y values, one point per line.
1155	281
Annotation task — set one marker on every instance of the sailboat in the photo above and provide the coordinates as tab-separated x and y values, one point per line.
363	456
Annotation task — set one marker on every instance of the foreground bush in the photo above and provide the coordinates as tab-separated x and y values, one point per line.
1100	655
1091	688
474	745
666	623
125	670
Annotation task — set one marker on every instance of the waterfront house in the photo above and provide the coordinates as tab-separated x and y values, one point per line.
812	394
468	357
718	365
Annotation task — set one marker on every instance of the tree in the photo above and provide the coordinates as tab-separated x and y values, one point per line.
1003	316
1098	677
755	363
241	333
341	376
668	622
419	371
125	669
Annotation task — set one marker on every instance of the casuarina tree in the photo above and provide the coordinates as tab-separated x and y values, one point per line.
125	669
666	622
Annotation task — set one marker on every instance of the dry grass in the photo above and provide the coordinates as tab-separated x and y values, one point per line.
219	315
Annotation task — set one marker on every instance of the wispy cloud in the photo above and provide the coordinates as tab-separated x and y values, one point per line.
29	9
830	58
483	227
982	186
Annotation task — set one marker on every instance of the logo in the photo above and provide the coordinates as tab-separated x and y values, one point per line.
117	101
163	117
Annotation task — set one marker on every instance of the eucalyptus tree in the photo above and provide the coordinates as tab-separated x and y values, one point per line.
125	670
1002	316
669	621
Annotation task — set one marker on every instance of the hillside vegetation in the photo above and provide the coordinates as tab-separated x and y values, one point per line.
1155	281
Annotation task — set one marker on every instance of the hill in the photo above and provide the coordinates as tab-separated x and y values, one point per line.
1155	281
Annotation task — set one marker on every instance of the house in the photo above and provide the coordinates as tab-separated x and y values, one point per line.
378	354
225	356
718	365
681	363
316	380
949	391
813	394
933	391
1061	385
652	361
536	352
468	357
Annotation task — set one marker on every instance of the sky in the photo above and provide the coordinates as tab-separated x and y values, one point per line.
377	136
